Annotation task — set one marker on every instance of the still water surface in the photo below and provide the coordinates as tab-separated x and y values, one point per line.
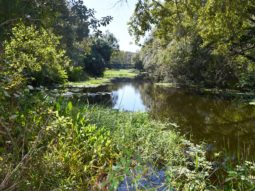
224	124
128	97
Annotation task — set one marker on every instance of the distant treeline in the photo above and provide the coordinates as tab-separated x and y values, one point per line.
124	59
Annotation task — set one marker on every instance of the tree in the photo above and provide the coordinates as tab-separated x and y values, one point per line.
75	24
225	30
33	55
122	59
137	62
228	25
70	19
98	52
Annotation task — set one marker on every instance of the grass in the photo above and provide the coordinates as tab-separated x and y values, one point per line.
90	82
109	75
80	147
126	73
164	84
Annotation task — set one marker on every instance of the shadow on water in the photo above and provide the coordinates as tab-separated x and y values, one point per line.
224	124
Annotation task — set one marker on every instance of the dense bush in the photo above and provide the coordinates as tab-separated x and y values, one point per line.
33	55
187	62
94	64
209	44
98	52
76	148
77	74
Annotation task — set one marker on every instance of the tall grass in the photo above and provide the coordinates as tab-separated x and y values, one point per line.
55	145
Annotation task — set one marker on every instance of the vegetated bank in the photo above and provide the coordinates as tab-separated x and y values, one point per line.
53	144
48	144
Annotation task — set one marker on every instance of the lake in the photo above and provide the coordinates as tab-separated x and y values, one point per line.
224	124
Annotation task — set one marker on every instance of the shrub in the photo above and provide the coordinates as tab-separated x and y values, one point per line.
94	64
77	74
33	55
98	52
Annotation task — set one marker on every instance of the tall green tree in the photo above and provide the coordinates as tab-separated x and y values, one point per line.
98	53
227	25
225	30
70	19
33	55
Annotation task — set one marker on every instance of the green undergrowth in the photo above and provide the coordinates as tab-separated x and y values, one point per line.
49	144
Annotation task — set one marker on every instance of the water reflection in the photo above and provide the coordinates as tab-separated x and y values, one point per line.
227	124
128	97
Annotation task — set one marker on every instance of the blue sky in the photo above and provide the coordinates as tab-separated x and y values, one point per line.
121	13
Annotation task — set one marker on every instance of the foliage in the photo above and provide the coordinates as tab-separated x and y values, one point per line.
77	74
137	62
75	25
22	134
94	64
49	144
71	20
44	12
121	60
241	177
191	173
186	62
33	54
98	51
204	43
218	22
76	147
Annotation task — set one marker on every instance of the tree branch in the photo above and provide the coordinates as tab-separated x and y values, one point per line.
12	20
8	21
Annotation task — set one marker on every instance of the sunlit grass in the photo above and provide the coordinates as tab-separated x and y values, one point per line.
164	84
127	73
91	82
109	75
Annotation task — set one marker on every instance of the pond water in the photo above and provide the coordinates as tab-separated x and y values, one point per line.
224	124
129	98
